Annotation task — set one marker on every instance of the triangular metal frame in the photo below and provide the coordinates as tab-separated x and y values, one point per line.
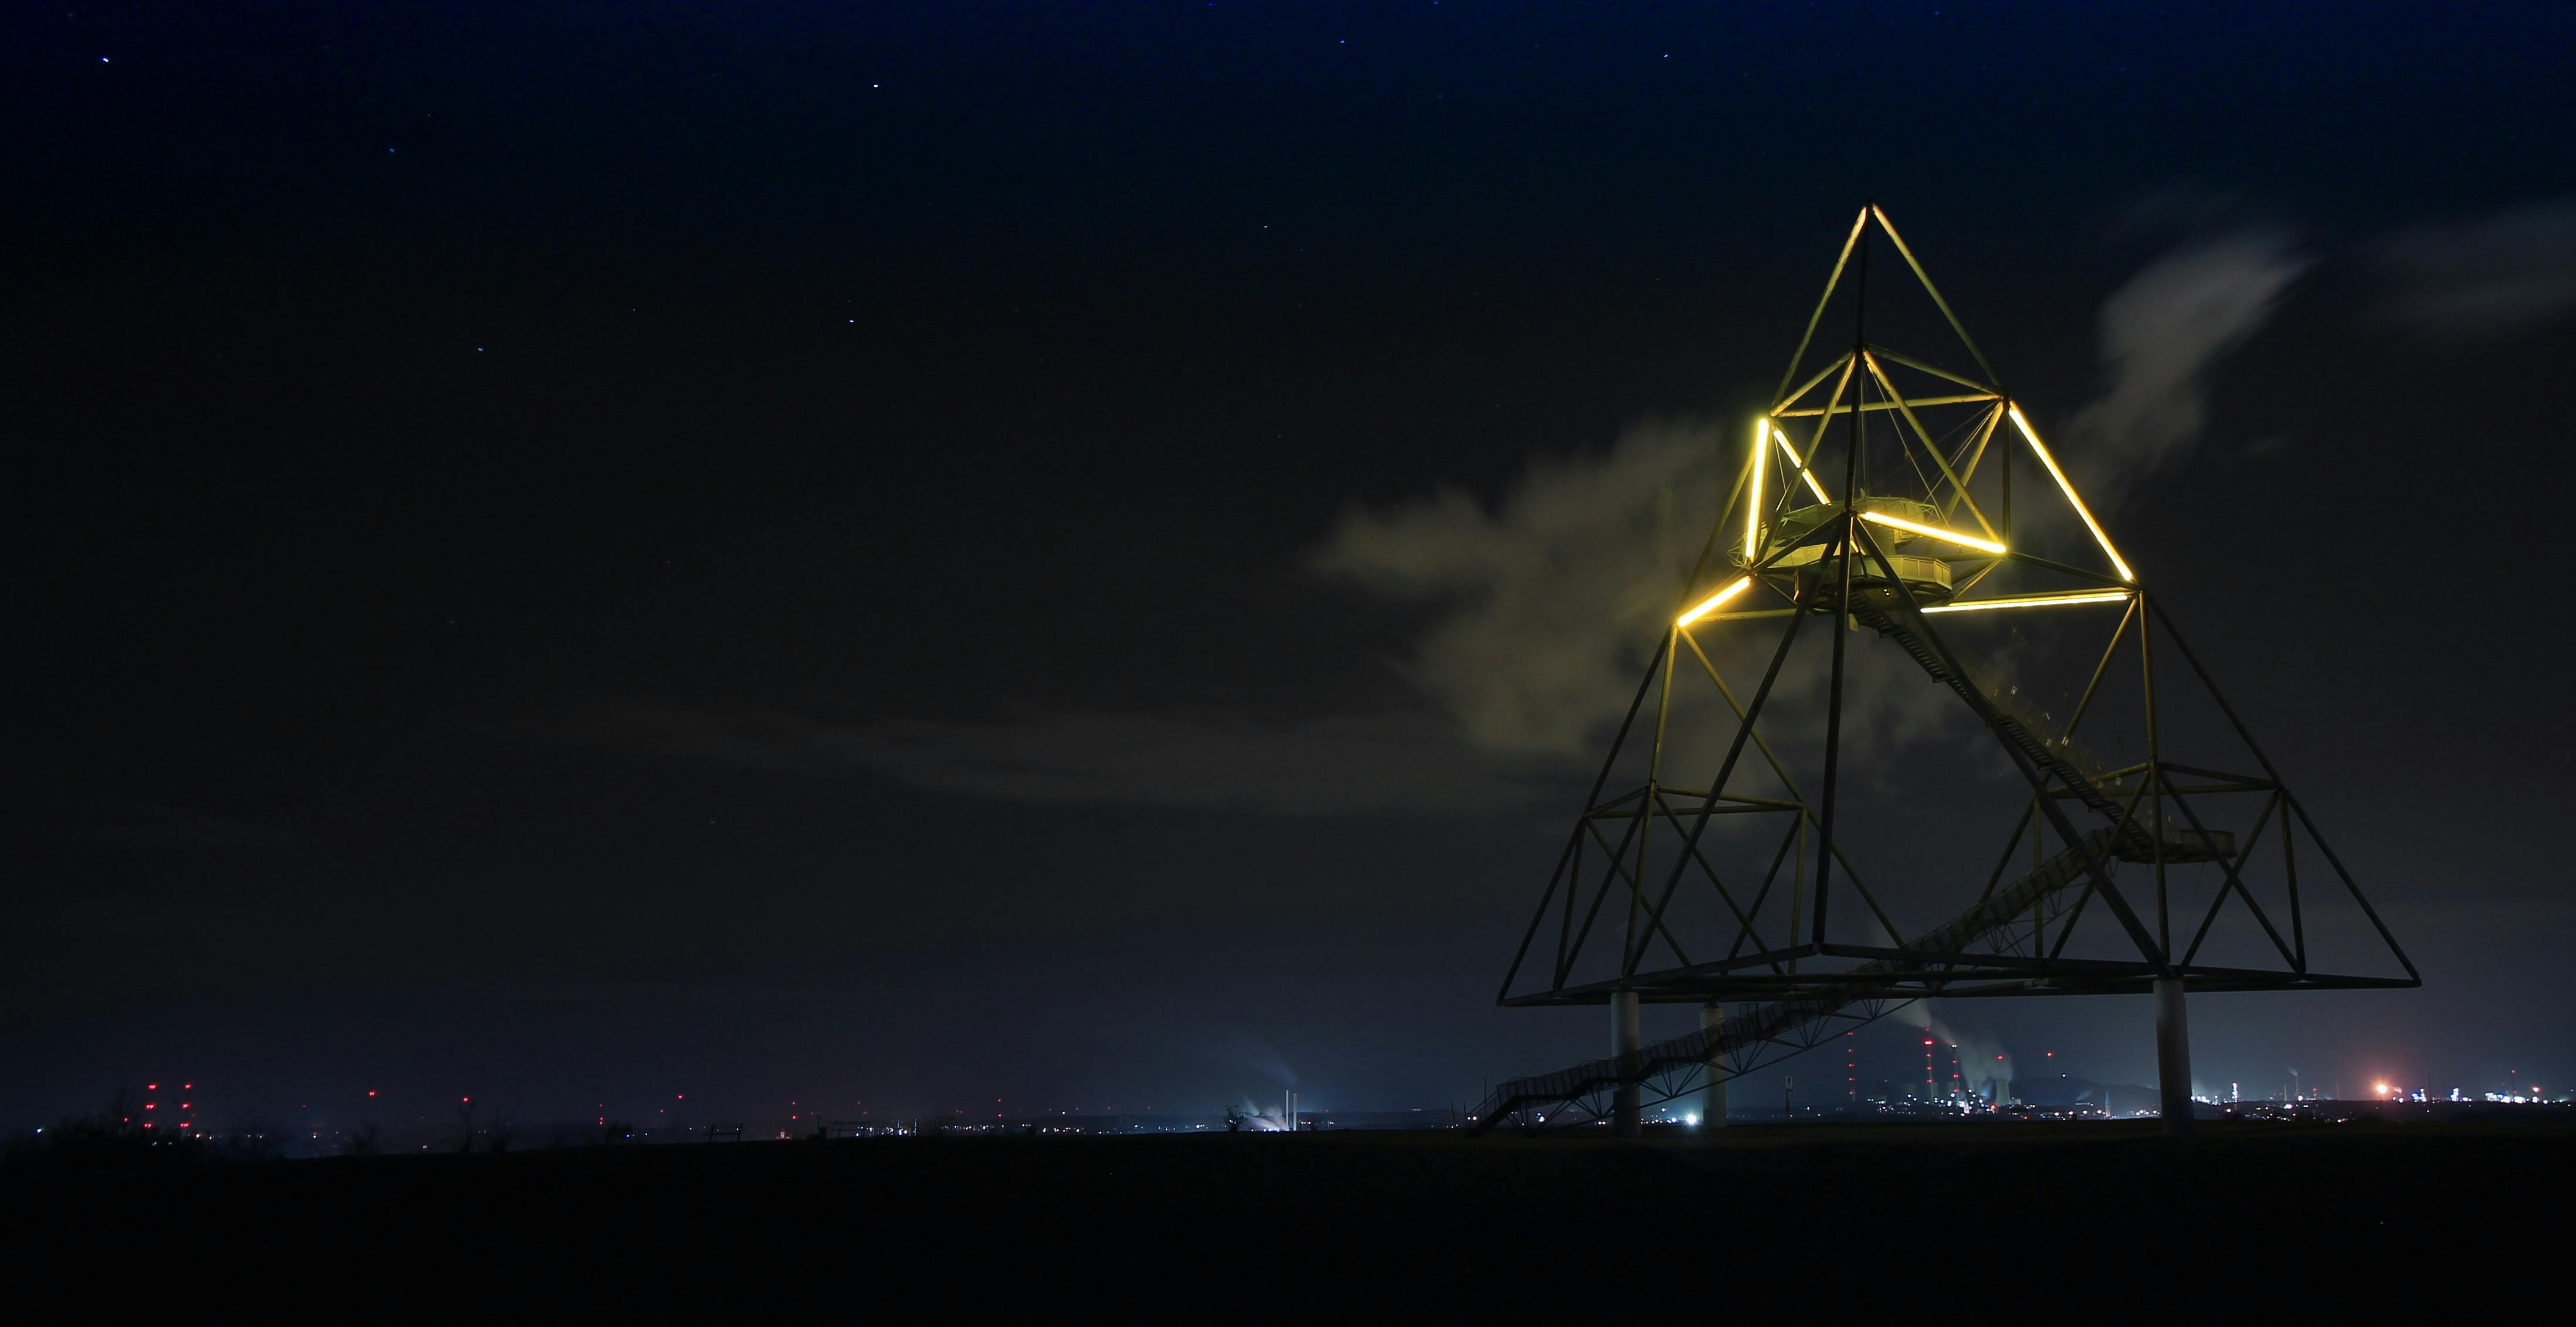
1768	559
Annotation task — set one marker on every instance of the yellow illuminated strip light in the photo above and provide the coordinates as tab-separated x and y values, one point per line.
1709	604
1803	472
1753	513
2042	601
1936	532
2068	489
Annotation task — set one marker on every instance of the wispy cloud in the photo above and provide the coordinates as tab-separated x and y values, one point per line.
154	825
1546	604
1539	610
2162	334
1335	764
1539	601
1539	613
2503	275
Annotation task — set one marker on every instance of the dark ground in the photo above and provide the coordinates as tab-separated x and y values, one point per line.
2092	1223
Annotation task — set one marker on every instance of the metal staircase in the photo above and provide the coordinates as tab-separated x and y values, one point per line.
1788	1026
2012	722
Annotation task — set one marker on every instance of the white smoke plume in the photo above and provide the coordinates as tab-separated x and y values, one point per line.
1982	1059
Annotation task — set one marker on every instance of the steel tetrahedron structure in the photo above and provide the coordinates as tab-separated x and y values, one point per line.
1902	559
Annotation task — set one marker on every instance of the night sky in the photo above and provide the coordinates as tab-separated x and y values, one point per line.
580	553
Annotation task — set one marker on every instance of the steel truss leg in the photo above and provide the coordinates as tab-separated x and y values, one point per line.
1627	1033
2173	1057
1712	1102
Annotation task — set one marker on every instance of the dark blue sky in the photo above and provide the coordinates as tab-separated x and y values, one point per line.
578	552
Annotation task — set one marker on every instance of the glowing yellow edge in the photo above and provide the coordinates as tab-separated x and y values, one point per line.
2068	489
1709	604
1753	512
1803	472
2093	597
1936	532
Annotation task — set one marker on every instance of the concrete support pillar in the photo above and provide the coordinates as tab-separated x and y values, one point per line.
2173	1056
1712	1102
1627	1032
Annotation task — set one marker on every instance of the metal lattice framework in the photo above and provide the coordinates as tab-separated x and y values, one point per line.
1878	493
